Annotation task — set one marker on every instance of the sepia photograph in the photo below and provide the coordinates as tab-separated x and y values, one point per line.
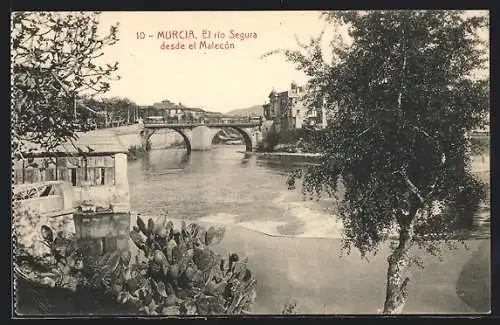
216	163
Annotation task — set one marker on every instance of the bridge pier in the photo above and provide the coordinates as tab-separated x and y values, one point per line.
202	137
145	135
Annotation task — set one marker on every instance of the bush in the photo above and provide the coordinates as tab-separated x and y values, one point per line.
296	140
290	308
136	152
269	142
177	273
480	146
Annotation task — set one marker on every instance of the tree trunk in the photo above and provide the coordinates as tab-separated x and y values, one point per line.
396	290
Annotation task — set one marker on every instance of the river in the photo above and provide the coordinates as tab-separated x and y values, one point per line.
225	186
228	187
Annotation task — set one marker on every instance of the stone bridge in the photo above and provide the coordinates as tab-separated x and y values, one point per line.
199	136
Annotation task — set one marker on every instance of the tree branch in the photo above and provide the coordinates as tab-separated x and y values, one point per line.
400	96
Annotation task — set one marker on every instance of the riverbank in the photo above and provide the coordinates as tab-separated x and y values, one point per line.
479	163
308	158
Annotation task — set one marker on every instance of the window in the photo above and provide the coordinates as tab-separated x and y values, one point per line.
90	171
34	170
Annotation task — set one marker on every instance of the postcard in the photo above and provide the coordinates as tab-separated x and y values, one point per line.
191	164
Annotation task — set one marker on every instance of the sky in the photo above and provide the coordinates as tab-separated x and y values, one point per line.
216	80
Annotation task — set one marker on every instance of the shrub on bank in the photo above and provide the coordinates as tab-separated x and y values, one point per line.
175	273
136	152
480	146
302	140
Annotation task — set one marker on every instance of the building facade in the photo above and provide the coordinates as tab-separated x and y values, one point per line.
177	113
288	110
95	168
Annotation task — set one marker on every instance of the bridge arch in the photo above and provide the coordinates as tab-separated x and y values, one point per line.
187	142
246	137
191	135
146	135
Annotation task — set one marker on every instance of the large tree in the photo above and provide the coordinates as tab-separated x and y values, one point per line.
402	101
54	60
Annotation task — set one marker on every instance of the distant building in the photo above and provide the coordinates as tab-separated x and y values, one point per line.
288	110
177	113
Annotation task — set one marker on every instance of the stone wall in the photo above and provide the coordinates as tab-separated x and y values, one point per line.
26	226
102	232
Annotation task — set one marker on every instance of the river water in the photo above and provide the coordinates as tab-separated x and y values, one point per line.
225	186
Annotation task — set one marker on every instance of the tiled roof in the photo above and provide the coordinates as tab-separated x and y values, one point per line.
100	141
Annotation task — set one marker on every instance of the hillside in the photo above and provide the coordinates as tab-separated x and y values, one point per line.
252	110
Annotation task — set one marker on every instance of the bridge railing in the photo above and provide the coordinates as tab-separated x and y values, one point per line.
159	120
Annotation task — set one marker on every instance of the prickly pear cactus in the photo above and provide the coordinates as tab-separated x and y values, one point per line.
177	274
181	274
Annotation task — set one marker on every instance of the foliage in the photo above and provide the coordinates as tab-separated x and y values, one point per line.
270	140
176	272
290	308
402	97
296	140
480	146
186	276
136	152
54	61
113	109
